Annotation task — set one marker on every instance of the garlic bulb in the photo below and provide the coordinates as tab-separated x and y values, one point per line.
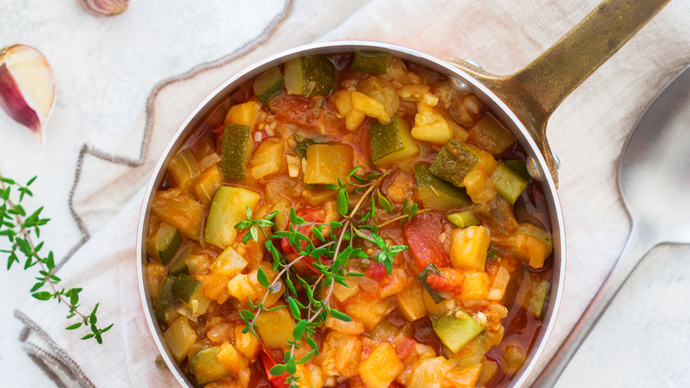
104	7
27	87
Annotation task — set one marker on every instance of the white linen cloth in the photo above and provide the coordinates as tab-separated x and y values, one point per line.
587	131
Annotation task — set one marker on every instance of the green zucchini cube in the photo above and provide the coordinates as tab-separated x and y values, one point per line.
206	367
372	62
438	194
310	76
456	330
268	84
236	149
508	183
454	162
391	142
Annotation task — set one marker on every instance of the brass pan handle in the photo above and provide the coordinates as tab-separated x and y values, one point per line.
534	92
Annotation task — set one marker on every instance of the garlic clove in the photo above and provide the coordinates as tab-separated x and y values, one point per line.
104	7
27	87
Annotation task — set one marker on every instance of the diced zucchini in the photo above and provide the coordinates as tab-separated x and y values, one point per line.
310	76
436	193
508	183
208	183
301	147
229	207
206	367
275	327
456	330
184	169
513	358
488	134
540	290
463	219
372	62
381	367
166	299
328	162
268	158
469	247
164	244
431	268
180	337
268	84
179	266
190	292
185	287
519	166
454	162
492	254
180	211
411	302
391	142
236	149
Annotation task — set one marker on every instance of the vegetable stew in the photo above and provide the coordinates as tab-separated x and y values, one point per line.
349	220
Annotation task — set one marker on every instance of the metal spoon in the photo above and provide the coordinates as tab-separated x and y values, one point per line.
654	180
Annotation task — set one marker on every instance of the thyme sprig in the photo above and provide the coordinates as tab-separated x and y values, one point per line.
330	259
18	228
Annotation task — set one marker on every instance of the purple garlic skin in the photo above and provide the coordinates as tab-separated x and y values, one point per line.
27	87
104	7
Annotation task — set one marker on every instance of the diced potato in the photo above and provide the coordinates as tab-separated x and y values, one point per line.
469	247
429	124
241	289
207	184
433	308
381	367
369	310
268	158
310	376
271	298
353	327
532	244
328	162
197	264
179	337
229	262
466	376
275	327
499	285
411	302
246	343
319	197
154	274
180	211
234	362
342	99
414	92
479	186
248	114
342	293
476	285
395	283
370	107
430	372
215	286
348	355
283	217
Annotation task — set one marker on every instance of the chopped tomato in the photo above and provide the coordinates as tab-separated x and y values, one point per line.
376	271
297	110
438	282
404	347
422	236
268	361
310	215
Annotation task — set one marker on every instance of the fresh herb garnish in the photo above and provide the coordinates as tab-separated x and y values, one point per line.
330	259
18	228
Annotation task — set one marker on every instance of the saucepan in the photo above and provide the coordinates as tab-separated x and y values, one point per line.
522	101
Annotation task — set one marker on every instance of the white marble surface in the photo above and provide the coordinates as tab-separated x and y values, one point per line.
642	341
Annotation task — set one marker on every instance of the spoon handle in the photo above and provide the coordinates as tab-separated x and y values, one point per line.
635	249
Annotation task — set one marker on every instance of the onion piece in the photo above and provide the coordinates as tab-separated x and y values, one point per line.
27	87
104	7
